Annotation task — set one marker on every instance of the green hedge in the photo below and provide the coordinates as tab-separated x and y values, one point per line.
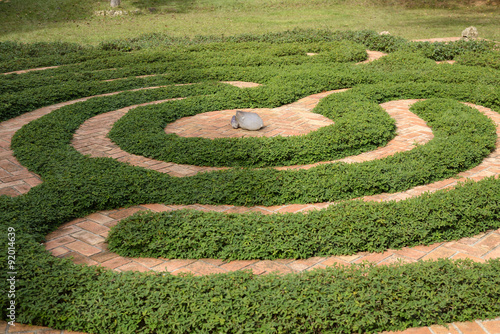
342	229
462	139
56	293
370	39
440	51
23	93
484	59
197	60
20	56
362	299
359	126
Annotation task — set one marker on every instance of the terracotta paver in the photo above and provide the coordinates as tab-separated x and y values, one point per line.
492	326
443	330
99	223
478	248
91	138
469	327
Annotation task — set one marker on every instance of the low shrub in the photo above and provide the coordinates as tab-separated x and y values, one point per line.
57	293
484	59
359	126
440	51
342	229
462	139
360	298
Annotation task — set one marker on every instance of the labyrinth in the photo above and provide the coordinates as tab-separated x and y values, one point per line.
369	202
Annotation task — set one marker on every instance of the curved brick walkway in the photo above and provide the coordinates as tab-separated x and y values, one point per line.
293	119
15	179
372	55
84	238
31	70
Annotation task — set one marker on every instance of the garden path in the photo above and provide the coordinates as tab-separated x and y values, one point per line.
292	119
15	179
84	238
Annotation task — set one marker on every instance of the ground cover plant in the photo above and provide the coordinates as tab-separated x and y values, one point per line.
57	293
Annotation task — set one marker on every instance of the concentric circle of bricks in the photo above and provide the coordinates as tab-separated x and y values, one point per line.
91	138
84	238
87	234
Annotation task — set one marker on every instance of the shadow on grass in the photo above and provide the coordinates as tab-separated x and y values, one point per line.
35	11
30	15
179	6
46	11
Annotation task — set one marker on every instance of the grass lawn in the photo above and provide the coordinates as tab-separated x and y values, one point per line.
71	21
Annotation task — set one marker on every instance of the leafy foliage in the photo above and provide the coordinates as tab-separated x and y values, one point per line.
343	229
485	59
60	294
360	298
359	126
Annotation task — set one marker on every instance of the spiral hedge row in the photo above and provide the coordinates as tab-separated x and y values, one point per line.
57	293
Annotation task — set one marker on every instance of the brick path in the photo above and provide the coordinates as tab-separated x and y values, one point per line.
83	238
16	179
30	70
293	119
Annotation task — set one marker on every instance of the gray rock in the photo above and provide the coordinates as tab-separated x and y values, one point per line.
247	121
470	33
234	123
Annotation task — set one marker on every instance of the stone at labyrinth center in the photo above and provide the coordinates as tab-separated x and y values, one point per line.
288	120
